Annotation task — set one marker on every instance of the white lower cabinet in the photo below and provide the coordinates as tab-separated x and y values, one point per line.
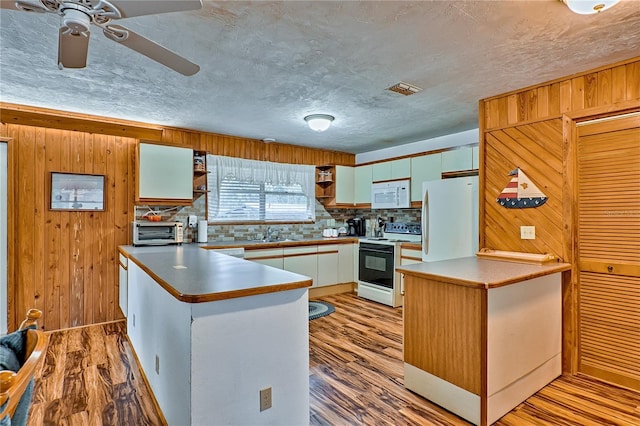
326	264
302	260
346	263
270	257
328	261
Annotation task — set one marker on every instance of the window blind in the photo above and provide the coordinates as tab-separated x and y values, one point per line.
250	190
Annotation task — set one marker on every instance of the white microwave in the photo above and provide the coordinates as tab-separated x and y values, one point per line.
157	233
393	194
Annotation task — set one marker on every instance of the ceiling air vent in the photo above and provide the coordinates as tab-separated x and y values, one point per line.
405	88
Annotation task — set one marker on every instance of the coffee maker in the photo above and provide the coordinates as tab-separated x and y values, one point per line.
356	227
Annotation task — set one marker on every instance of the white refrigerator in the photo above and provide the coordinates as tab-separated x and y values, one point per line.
449	218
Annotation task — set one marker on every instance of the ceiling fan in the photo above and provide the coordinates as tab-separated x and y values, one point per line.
77	15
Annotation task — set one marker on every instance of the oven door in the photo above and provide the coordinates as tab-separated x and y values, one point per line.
376	264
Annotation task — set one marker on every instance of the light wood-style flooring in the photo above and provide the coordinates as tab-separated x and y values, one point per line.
89	377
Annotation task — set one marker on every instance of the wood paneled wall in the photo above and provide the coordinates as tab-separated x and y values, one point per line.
525	129
65	263
534	129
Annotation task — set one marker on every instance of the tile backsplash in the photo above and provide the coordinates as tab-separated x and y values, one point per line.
255	231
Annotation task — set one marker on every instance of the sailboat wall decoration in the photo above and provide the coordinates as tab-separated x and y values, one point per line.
520	192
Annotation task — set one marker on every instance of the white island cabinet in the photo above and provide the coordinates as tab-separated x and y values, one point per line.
481	336
211	331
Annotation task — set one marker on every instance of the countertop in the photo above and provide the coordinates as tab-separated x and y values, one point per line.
194	275
481	273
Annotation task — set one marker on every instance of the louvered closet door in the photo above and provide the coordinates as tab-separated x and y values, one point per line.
609	249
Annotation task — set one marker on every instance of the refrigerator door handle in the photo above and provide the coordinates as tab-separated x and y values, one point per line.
425	222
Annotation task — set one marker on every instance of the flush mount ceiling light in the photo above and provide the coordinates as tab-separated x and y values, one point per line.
587	7
319	122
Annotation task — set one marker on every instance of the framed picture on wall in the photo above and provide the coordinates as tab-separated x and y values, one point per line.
77	192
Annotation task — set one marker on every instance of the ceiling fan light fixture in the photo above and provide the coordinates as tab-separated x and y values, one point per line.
588	7
319	122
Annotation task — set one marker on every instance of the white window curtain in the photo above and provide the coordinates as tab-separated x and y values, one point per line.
251	190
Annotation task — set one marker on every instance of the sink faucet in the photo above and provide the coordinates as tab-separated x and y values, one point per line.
269	232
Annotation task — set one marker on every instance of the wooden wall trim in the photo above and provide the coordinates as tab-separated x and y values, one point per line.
12	317
213	143
52	119
569	218
481	175
520	123
602	111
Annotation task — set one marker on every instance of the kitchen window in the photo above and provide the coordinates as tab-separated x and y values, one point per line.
249	191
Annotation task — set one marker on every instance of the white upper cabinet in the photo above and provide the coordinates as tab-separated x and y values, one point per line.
164	173
344	185
391	170
381	171
424	168
457	159
401	169
363	179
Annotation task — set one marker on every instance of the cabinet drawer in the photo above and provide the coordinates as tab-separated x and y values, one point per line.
410	254
300	251
328	248
262	253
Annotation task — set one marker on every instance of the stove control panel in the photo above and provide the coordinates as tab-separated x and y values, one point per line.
411	228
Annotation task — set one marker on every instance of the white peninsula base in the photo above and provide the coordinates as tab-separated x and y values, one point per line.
206	362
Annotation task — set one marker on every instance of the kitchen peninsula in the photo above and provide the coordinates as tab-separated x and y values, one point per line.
211	331
481	336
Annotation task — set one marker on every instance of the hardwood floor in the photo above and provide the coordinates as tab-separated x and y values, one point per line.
89	377
357	379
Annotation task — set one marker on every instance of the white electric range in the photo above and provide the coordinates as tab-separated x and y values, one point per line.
378	258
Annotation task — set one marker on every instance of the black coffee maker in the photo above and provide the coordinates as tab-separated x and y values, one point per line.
356	227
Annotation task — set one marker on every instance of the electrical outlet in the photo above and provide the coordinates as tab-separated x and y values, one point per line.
157	364
527	232
265	399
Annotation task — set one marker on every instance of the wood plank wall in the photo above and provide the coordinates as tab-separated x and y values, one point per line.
533	128
65	263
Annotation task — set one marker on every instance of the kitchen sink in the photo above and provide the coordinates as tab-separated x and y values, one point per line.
284	240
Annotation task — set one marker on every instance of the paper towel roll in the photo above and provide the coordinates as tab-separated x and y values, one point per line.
202	231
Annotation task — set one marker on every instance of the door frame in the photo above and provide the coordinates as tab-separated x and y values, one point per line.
570	326
11	291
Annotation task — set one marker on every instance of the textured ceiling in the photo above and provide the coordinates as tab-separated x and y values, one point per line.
267	64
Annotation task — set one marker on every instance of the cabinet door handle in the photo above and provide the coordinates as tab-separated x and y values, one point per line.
610	268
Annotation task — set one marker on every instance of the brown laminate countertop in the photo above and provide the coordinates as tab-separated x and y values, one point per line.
194	275
481	273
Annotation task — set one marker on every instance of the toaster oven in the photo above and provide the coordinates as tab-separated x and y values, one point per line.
157	233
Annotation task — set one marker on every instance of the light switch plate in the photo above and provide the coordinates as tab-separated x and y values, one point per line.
527	232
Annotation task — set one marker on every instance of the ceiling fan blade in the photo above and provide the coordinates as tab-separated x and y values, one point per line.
26	5
129	8
152	50
72	49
